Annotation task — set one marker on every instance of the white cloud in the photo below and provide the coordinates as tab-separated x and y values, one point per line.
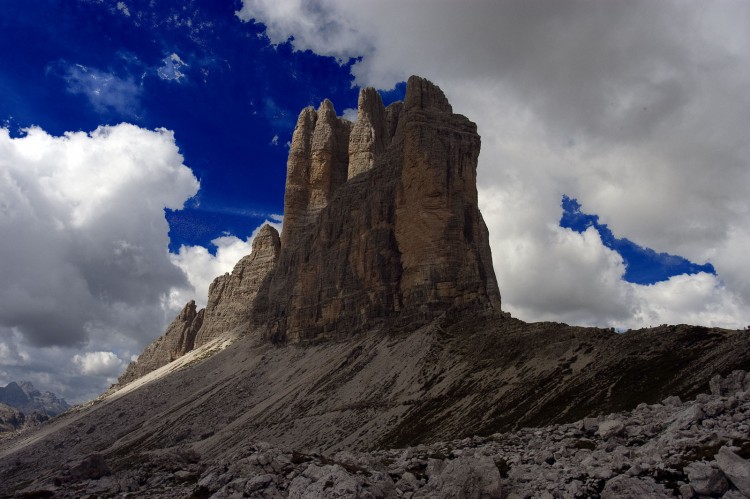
87	241
105	91
349	114
122	7
99	364
687	299
57	369
637	109
85	247
275	140
172	68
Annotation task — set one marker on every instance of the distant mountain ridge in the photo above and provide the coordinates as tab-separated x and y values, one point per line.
24	397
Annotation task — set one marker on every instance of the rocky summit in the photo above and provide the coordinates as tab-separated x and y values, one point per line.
381	225
363	353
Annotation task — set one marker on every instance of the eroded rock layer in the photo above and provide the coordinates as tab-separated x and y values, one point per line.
459	377
231	295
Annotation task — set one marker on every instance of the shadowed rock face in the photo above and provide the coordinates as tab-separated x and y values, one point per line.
402	239
231	296
229	300
178	339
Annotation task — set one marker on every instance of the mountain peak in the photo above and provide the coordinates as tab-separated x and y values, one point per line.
423	94
381	223
25	397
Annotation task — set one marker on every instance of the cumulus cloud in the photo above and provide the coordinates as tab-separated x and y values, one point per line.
86	243
349	114
57	369
693	299
88	236
637	109
99	364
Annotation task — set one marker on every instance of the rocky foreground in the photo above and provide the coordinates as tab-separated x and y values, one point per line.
698	448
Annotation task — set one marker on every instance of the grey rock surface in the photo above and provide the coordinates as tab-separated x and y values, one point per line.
230	298
551	461
735	468
381	221
178	339
381	225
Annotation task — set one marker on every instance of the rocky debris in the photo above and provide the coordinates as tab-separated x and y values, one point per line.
649	458
456	377
738	381
91	467
706	479
736	469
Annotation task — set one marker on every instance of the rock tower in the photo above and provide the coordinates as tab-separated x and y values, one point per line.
381	225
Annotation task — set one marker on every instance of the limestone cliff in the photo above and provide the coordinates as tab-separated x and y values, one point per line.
381	224
231	295
401	239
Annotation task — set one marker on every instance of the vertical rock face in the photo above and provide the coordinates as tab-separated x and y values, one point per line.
402	238
440	232
370	134
231	296
316	167
178	339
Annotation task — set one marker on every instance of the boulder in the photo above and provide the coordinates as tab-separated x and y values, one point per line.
736	469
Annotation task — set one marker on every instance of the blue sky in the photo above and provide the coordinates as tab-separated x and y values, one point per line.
194	68
642	265
143	143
